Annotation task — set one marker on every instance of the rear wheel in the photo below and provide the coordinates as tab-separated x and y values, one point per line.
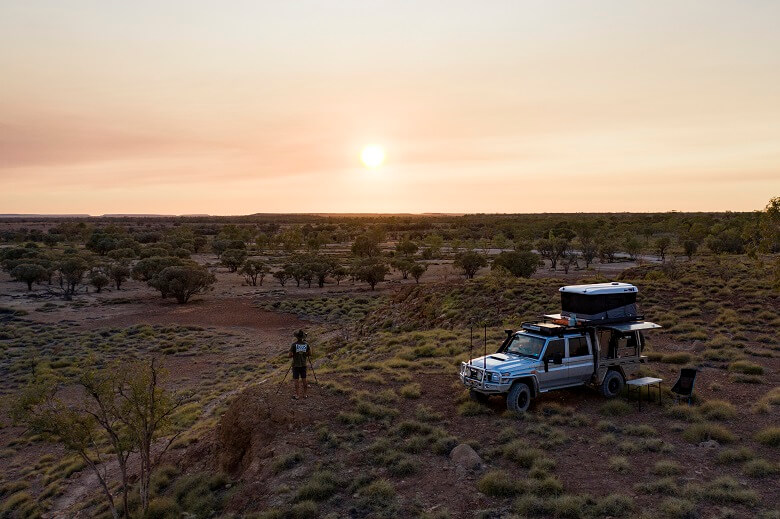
613	384
476	396
519	397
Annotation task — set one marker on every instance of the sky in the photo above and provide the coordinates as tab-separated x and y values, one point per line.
240	107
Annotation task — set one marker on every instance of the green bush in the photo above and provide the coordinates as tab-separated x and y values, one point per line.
760	468
163	508
320	486
473	409
734	455
747	368
304	510
412	390
676	358
616	408
615	505
667	468
498	483
700	432
718	410
675	508
619	464
769	436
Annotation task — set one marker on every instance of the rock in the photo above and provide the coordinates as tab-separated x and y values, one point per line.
465	459
710	444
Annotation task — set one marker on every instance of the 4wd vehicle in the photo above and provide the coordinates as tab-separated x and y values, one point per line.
564	350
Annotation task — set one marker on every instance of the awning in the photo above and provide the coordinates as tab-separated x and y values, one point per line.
632	327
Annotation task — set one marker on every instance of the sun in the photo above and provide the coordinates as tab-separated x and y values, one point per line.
372	156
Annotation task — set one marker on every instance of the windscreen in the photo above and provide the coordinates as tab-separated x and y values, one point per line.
526	345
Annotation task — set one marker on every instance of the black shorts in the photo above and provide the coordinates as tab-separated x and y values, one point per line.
299	372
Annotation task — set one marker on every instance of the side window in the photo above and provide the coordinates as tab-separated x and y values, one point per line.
578	346
553	347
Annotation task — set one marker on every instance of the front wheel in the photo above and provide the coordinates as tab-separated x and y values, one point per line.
519	397
612	384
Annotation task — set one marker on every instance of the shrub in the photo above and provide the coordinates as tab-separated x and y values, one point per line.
304	510
615	505
734	455
718	410
706	431
769	436
727	490
667	486
498	483
162	508
760	468
472	409
675	508
747	368
616	408
619	464
667	468
319	487
286	461
676	358
412	390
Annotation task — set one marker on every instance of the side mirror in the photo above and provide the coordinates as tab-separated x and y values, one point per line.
557	358
546	364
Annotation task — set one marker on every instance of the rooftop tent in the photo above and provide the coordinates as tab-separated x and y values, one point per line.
613	301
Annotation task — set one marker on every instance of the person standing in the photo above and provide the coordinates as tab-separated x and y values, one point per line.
300	351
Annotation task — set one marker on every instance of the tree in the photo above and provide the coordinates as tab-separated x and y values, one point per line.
147	410
662	245
98	280
183	281
417	270
233	259
588	249
366	245
119	272
339	272
633	247
406	247
371	271
403	265
146	269
41	412
607	250
29	273
690	247
520	264
282	276
769	227
470	262
72	269
560	247
254	270
544	247
321	268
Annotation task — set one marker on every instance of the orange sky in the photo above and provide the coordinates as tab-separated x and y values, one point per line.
241	107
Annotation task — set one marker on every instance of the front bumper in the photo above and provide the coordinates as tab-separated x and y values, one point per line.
473	378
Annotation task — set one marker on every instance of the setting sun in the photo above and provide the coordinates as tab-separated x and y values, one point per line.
372	156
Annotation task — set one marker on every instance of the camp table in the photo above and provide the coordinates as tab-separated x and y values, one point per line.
639	383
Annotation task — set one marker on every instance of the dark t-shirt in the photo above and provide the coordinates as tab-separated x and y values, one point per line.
300	351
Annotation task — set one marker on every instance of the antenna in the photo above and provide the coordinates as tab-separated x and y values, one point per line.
484	358
471	343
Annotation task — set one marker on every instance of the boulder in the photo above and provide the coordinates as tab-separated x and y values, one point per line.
466	459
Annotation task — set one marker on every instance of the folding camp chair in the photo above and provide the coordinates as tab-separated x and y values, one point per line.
684	385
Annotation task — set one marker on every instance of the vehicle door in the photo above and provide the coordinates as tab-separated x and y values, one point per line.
579	359
556	373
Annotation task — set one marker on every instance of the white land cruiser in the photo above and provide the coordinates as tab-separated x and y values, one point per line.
565	351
